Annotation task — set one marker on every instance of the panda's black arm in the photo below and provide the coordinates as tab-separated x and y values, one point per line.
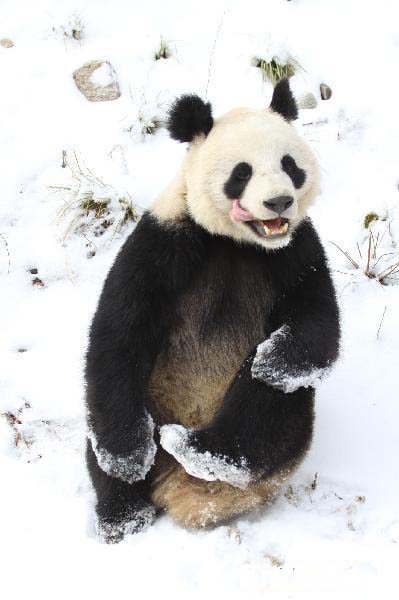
267	414
129	329
257	431
304	324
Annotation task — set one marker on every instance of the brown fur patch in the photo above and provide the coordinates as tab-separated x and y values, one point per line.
217	324
196	504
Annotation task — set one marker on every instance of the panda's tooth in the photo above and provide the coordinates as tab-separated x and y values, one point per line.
267	230
280	231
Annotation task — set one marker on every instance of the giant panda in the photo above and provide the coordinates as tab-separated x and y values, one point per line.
214	323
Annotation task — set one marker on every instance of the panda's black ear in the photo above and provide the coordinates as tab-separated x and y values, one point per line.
189	116
283	101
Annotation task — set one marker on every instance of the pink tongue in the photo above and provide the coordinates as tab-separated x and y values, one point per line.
240	214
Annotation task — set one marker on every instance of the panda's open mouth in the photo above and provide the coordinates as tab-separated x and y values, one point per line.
277	227
270	227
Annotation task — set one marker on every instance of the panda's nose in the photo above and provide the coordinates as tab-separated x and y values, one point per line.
279	204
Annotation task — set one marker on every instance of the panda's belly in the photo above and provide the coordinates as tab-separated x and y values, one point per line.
218	322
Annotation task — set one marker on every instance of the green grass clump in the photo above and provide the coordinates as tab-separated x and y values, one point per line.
129	212
274	70
98	206
369	218
163	50
150	126
74	29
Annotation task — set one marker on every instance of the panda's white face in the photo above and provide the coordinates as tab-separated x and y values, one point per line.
252	178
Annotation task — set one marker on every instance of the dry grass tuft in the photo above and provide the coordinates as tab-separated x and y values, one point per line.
74	29
15	421
90	206
274	70
147	121
374	262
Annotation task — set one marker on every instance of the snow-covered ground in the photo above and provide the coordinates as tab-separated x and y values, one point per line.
334	532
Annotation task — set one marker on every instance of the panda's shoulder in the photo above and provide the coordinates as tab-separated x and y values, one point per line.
158	251
304	255
306	243
154	235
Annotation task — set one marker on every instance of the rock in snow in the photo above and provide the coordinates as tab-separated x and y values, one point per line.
307	100
97	81
6	43
325	91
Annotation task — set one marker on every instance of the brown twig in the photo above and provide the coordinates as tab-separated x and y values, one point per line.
8	253
212	53
354	263
382	318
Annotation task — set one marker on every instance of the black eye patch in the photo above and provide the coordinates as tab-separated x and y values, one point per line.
236	183
296	174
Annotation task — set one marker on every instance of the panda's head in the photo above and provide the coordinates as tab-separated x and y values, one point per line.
247	175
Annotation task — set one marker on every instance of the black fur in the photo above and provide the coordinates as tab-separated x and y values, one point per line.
189	116
137	310
297	175
283	101
237	182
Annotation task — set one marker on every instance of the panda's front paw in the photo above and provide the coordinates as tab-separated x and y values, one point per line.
138	456
277	364
190	451
116	518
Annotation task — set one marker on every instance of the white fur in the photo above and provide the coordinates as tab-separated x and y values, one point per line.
259	137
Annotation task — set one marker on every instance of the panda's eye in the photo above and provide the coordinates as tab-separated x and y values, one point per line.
235	185
290	167
242	171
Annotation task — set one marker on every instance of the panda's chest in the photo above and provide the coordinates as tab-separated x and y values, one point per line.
218	321
227	304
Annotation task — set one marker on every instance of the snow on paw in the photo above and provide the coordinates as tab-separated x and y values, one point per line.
113	523
290	382
175	439
271	367
129	467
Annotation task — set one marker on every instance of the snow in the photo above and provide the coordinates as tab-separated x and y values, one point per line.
280	375
204	465
335	538
103	76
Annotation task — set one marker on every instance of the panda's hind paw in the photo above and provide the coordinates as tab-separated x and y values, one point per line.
203	464
115	519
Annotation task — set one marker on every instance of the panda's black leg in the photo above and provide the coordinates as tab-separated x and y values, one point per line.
121	508
258	431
